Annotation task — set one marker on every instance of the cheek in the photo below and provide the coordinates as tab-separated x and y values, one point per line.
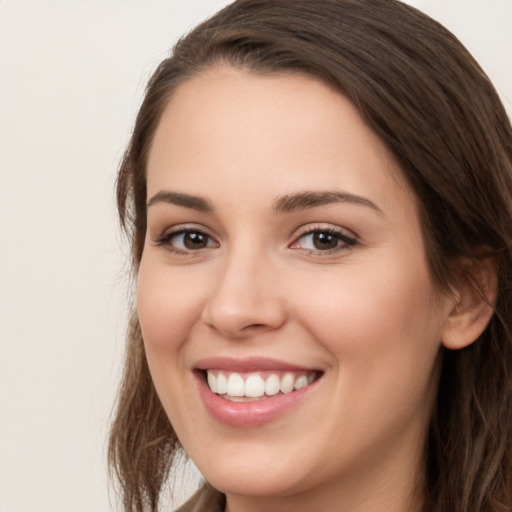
369	300
384	342
380	324
168	305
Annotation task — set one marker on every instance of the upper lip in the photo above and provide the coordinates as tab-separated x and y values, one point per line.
250	364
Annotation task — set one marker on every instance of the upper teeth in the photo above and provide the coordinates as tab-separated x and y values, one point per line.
255	385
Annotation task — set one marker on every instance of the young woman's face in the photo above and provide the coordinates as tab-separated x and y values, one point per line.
284	251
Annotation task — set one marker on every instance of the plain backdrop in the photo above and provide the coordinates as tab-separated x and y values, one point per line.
72	75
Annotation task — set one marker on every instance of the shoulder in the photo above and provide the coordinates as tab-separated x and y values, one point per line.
206	499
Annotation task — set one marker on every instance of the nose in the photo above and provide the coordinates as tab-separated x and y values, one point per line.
246	298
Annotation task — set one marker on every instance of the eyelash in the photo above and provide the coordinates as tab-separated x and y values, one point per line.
165	240
344	242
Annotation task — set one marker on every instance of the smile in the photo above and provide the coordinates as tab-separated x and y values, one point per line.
252	392
238	387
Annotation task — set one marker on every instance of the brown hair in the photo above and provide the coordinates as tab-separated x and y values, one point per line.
424	95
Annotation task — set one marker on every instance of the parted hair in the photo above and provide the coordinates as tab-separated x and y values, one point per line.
424	95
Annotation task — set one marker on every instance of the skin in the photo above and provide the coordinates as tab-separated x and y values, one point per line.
367	315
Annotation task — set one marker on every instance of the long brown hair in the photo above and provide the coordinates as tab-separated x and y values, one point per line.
424	95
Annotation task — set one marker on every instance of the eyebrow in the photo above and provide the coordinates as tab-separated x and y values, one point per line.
304	200
179	199
285	204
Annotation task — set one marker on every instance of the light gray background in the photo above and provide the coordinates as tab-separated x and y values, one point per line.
72	75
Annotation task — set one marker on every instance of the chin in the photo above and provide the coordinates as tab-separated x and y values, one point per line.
262	480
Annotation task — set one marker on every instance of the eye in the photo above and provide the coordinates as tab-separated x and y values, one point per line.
323	240
186	241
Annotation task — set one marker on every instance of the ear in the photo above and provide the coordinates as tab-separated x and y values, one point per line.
474	299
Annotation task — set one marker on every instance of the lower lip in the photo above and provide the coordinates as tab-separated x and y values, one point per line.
250	414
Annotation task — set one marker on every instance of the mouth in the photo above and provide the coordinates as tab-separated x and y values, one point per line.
255	386
255	391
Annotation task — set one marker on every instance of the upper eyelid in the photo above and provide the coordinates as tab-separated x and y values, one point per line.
314	227
347	238
305	229
163	240
181	228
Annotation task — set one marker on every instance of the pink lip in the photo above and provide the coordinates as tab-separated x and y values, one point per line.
251	364
248	414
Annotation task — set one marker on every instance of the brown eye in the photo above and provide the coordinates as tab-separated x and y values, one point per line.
187	241
323	241
195	240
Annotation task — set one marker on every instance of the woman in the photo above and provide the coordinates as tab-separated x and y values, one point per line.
318	199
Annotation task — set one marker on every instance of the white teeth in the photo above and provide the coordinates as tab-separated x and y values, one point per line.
212	380
254	386
272	385
301	382
287	383
232	384
235	385
222	384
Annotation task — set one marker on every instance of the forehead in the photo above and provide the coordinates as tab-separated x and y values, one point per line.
273	132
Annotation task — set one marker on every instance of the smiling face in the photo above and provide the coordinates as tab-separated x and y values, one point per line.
284	251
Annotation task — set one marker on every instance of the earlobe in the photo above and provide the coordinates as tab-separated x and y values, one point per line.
473	305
